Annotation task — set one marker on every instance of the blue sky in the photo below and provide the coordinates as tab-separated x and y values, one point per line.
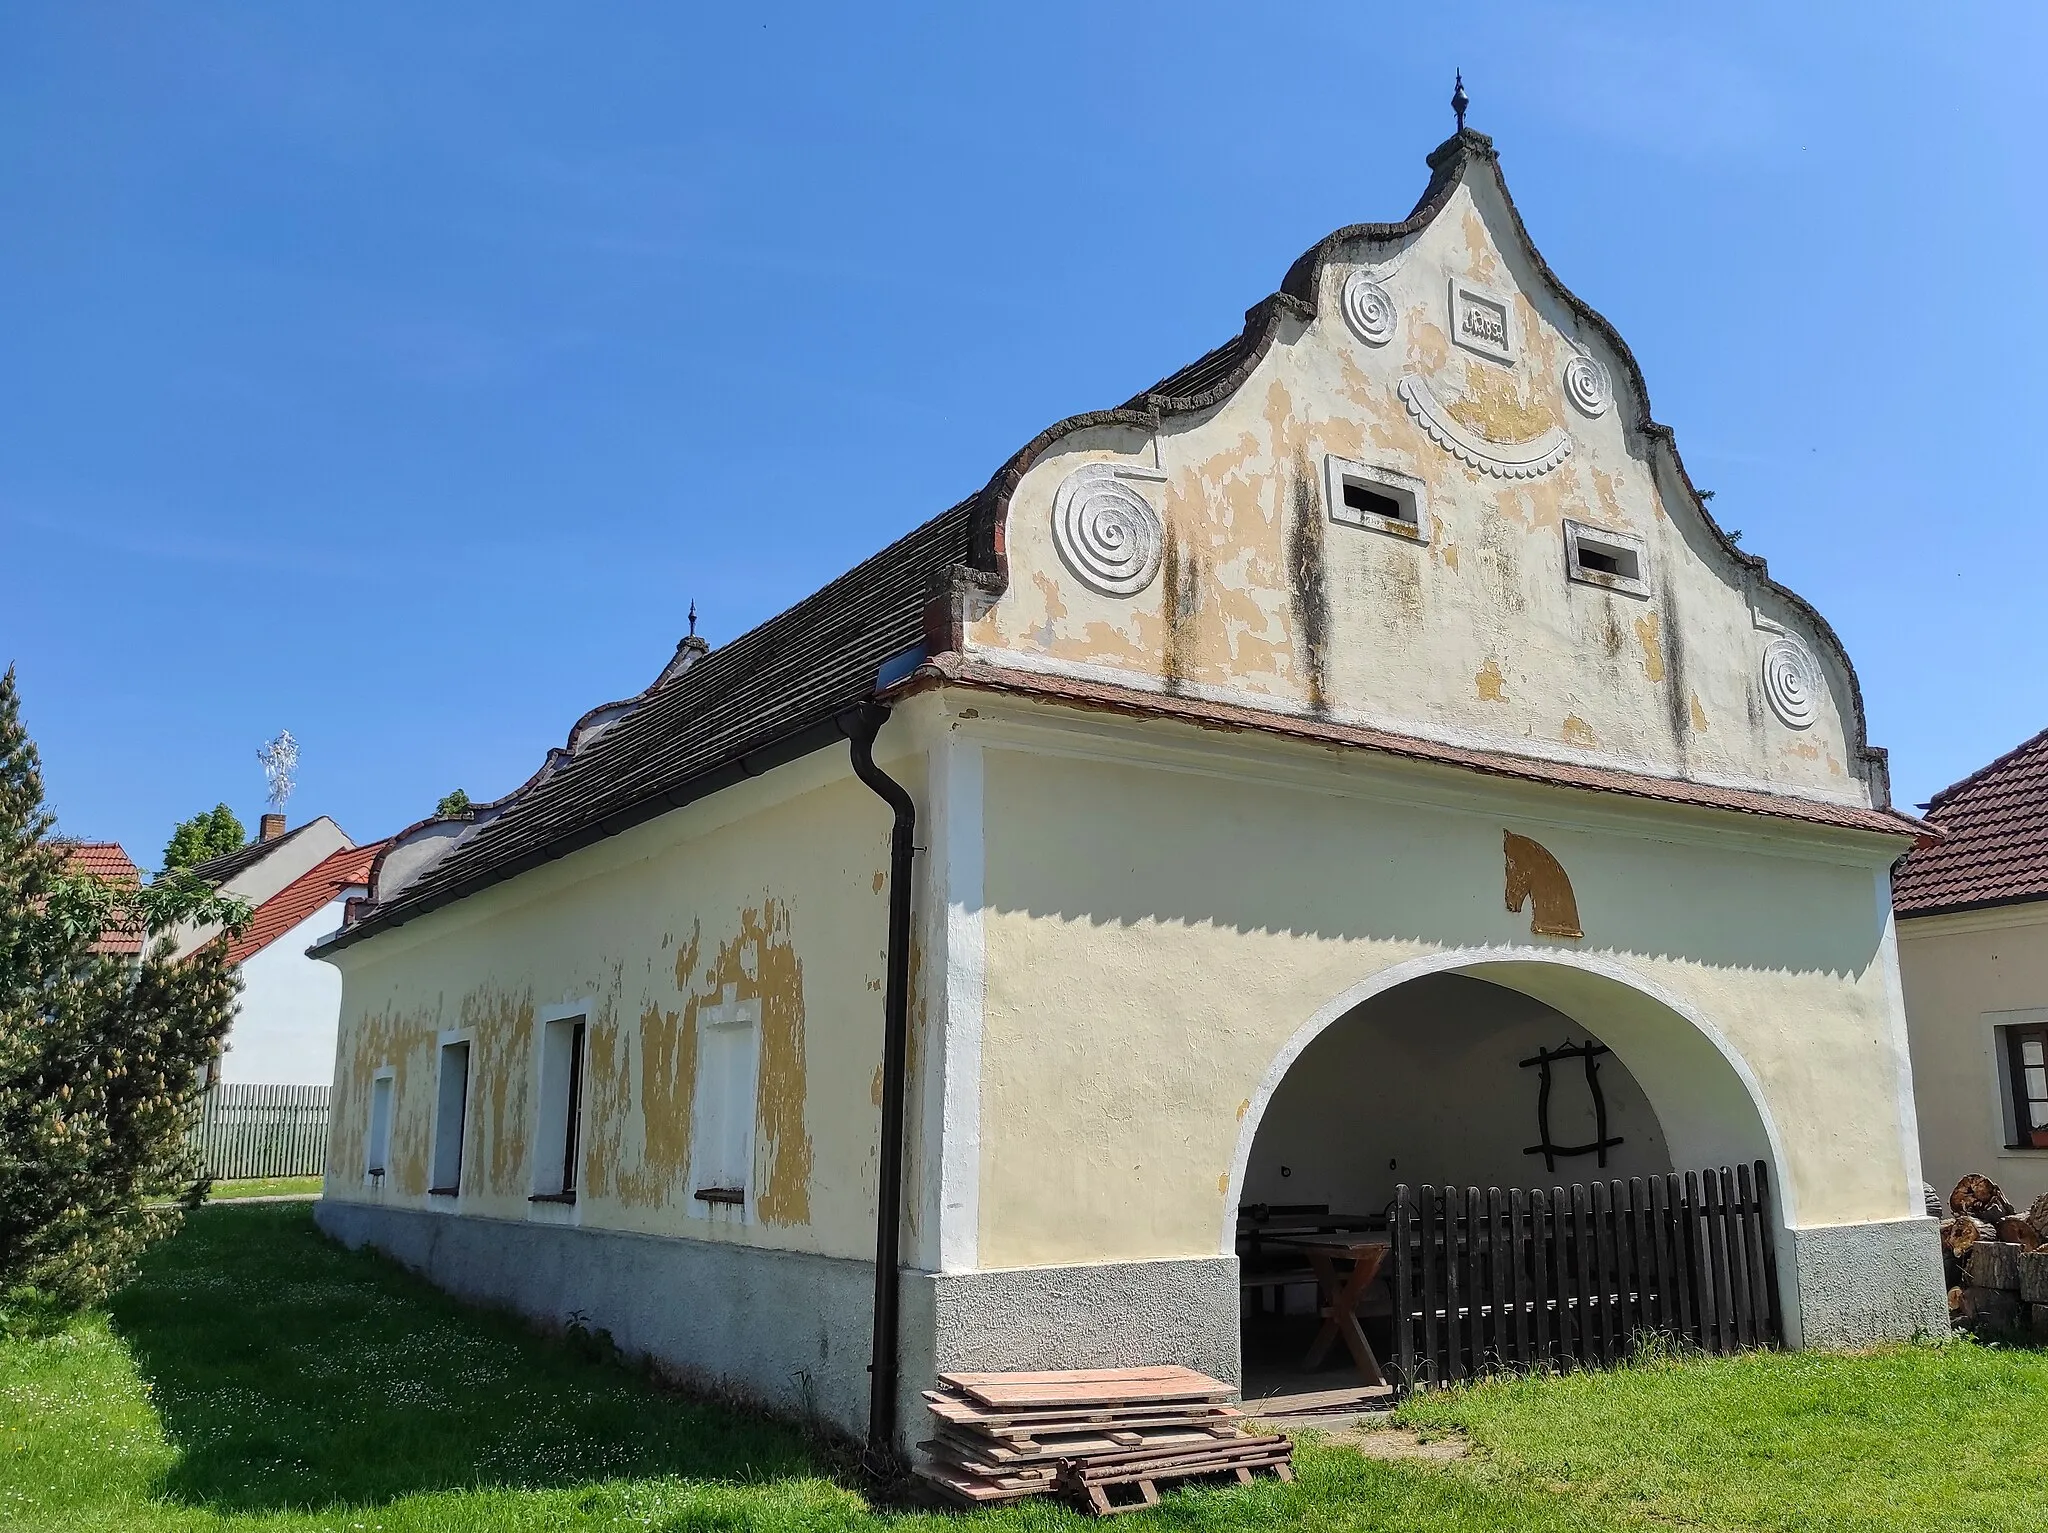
399	375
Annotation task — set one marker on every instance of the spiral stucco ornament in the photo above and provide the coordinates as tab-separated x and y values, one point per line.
1368	309
1107	532
1587	385
1792	682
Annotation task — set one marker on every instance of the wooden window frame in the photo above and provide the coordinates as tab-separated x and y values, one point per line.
560	1066
441	1185
2015	1038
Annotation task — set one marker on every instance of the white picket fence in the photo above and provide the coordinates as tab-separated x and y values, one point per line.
245	1131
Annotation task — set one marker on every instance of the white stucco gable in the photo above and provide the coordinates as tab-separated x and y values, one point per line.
1423	493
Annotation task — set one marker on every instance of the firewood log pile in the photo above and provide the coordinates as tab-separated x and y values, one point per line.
1104	1439
1995	1260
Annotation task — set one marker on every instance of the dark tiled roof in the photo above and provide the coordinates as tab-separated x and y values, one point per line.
348	868
1994	846
792	676
778	690
218	870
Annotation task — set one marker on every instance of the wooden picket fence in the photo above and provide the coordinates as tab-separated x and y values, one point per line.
245	1131
1529	1280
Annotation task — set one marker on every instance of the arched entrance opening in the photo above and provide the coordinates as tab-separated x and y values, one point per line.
1435	1074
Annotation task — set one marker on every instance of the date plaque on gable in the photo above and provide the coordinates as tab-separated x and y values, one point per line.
1483	322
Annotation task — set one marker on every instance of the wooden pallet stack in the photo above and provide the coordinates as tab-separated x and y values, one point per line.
1104	1438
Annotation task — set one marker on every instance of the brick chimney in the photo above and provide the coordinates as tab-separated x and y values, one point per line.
271	828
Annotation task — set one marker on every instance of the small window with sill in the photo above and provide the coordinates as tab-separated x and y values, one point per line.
559	1132
2026	1061
377	1143
1614	561
1377	499
451	1112
722	1110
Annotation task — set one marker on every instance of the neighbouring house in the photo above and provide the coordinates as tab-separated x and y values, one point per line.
110	863
1216	809
253	873
285	1025
1973	953
297	882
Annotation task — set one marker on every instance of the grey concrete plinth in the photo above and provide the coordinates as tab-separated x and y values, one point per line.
784	1328
1865	1283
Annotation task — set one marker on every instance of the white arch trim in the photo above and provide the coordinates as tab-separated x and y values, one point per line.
1463	960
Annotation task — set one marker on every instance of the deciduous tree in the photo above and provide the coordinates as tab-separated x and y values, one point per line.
207	835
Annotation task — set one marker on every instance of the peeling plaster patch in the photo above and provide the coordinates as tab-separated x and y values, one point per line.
762	964
1183	597
501	1028
1653	648
1486	265
1492	685
1578	732
1494	407
875	1086
1308	586
405	1041
1608	500
1046	634
1536	878
1699	714
1242	1108
881	879
1450	553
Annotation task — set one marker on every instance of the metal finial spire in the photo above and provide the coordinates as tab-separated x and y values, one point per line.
280	758
1459	100
693	619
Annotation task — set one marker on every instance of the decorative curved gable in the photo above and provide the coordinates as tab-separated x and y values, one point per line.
1564	590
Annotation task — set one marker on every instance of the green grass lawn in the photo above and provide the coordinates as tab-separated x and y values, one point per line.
255	1377
266	1187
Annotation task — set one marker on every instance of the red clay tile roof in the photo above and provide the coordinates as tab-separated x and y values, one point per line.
101	859
106	861
1994	846
348	868
958	671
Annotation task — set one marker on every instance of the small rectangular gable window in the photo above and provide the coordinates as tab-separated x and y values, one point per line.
557	1140
722	1116
1377	499
1370	502
377	1148
2027	1071
451	1107
1615	561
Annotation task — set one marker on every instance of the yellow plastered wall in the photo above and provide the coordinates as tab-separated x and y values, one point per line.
1476	636
1155	938
1965	974
773	892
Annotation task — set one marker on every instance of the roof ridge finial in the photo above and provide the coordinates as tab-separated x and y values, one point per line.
1459	100
693	617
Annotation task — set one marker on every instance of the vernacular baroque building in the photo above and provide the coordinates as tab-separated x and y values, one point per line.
1288	753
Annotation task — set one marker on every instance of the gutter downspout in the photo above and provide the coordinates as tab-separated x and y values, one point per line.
861	729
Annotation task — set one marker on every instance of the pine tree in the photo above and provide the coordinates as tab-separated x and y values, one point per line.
100	1061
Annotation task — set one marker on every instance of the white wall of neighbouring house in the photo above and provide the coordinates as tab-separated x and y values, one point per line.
1967	974
291	1008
